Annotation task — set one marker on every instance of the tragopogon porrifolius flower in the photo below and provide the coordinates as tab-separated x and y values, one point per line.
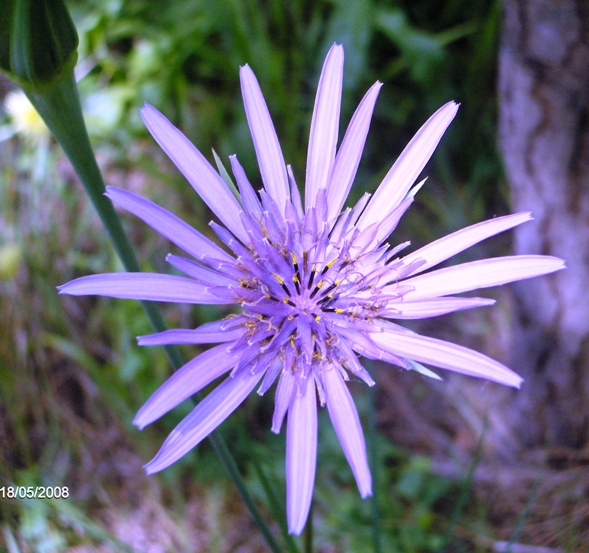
315	285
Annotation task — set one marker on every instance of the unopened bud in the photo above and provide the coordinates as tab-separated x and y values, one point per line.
38	42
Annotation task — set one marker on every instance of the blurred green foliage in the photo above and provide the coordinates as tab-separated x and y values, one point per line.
71	375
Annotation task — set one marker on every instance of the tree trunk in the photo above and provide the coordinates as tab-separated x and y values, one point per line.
544	139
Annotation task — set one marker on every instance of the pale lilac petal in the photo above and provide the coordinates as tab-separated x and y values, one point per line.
168	225
479	274
408	166
324	124
250	200
346	424
295	195
147	286
268	151
185	382
349	154
198	171
190	336
301	456
445	355
204	418
283	398
432	307
202	274
444	248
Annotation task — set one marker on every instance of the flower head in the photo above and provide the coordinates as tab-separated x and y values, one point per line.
315	286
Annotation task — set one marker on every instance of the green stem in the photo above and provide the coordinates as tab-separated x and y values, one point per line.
59	106
372	439
309	531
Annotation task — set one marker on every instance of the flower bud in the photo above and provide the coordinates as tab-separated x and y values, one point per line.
38	41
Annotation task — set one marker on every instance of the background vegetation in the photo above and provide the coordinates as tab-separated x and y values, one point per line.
72	376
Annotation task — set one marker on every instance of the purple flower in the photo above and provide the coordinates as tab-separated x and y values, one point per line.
315	286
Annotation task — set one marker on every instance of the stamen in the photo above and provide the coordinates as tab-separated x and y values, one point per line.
296	278
332	287
311	276
328	266
281	282
333	310
317	288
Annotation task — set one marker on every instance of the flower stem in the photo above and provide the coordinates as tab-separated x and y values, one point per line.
309	531
372	439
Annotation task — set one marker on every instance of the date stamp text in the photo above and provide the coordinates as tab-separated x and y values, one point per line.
34	492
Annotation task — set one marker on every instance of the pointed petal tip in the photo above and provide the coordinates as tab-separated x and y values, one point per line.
551	263
149	470
139	421
512	380
366	493
147	111
295	530
451	108
138	424
335	46
66	289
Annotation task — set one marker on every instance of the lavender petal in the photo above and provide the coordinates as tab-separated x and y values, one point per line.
147	286
168	225
324	124
266	144
301	456
408	166
448	246
185	382
201	335
346	424
198	171
445	355
282	400
203	419
479	274
349	154
432	307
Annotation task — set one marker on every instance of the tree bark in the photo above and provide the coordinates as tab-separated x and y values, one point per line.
544	139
